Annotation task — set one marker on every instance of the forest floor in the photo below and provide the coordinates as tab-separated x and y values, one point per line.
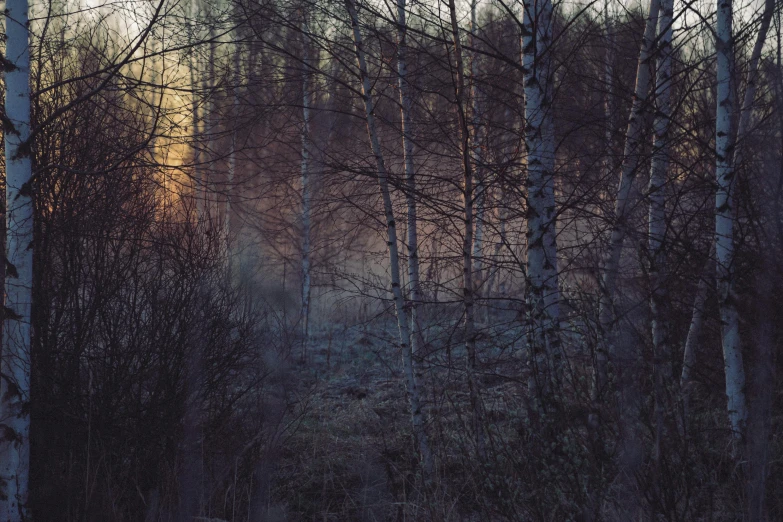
351	456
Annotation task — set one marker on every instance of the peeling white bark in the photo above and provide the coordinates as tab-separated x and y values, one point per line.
306	188
542	285
15	381
232	157
623	203
198	181
694	330
729	156
403	325
609	91
746	111
410	177
477	137
724	223
468	286
657	215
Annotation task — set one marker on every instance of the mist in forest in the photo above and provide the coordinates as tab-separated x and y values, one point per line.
343	260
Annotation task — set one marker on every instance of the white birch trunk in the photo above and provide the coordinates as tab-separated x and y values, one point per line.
697	317
694	330
306	189
750	90
608	86
412	389
414	281
657	216
724	223
495	273
410	175
232	156
15	381
198	188
633	149
210	124
542	285
600	363
477	137
468	287
729	156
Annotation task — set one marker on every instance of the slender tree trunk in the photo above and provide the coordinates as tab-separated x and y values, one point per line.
210	124
600	363
729	157
476	114
542	285
634	143
468	288
628	398
724	224
410	177
403	325
657	216
496	275
746	110
232	156
609	92
694	330
198	182
15	380
306	189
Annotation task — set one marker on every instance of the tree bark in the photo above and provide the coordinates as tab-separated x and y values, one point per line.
729	156
694	330
403	325
410	177
306	188
468	287
633	148
724	223
17	328
476	139
542	285
657	216
198	174
609	91
232	157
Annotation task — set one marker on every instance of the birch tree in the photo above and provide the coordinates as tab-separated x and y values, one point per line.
728	156
306	188
236	76
657	215
695	327
410	175
609	91
382	175
468	287
15	379
195	119
476	139
541	277
724	222
623	201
